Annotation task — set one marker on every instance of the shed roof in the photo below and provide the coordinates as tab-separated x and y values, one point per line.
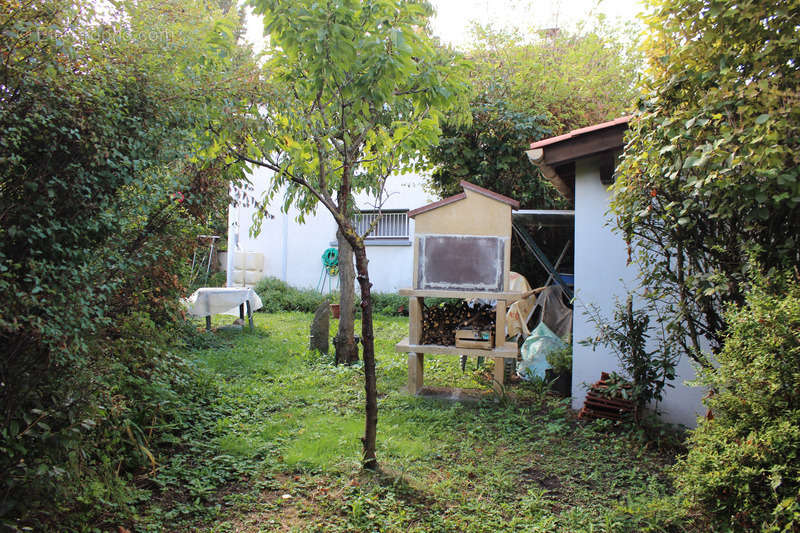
460	196
556	156
581	131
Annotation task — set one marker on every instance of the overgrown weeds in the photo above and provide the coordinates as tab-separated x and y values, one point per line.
289	422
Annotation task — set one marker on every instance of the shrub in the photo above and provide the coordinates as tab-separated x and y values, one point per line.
744	462
104	184
650	370
560	360
389	304
277	295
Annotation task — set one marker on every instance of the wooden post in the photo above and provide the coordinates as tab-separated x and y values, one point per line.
241	311
250	315
499	374
208	322
415	367
416	361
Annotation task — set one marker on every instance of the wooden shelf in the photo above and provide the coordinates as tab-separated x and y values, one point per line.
464	295
508	350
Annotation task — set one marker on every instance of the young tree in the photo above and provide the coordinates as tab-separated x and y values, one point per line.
711	172
354	91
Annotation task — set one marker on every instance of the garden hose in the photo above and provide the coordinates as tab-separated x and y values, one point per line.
330	261
330	266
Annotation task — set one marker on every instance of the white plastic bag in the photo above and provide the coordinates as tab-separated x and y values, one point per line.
534	352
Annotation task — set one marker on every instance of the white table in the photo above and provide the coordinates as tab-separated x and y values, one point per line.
208	301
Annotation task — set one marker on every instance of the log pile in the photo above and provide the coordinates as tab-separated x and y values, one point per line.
440	322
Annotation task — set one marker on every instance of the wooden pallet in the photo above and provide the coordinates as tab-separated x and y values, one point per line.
598	405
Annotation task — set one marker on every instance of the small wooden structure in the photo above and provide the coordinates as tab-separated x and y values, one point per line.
462	249
599	405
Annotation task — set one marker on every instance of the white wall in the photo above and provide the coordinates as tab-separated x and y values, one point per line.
601	275
293	251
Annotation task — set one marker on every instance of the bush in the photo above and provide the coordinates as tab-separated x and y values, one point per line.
649	370
744	462
560	360
389	304
277	296
104	186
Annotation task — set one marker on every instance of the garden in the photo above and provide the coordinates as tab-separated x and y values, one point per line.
277	449
125	128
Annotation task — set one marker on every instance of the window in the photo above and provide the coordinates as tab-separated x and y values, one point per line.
393	224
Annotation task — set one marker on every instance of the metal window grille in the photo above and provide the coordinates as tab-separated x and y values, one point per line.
391	225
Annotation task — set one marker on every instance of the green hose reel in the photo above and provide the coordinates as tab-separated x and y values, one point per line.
330	261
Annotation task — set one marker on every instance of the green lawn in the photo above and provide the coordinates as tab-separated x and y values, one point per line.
279	450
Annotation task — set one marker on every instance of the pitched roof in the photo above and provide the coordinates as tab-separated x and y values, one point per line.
575	133
491	194
436	205
460	196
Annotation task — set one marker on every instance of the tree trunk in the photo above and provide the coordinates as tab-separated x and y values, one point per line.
346	349
370	462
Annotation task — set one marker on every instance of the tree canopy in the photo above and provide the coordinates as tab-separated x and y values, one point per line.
104	186
527	86
709	178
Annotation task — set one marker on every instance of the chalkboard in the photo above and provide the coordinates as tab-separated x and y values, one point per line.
461	262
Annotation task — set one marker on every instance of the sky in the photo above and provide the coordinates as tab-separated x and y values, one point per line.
454	18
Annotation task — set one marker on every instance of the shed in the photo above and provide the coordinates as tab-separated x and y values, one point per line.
581	165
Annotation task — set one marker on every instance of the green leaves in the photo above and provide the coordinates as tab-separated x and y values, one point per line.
761	119
490	152
716	135
742	463
355	91
104	124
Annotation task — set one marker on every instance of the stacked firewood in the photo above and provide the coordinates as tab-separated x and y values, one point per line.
440	322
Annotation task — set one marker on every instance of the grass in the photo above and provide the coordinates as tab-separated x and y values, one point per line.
282	451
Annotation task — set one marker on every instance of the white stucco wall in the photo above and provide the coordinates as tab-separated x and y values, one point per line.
601	275
292	251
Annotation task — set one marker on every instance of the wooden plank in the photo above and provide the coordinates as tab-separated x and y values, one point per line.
250	315
509	351
500	324
507	296
585	145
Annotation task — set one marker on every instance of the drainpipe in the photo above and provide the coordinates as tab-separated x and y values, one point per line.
536	156
285	248
233	243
